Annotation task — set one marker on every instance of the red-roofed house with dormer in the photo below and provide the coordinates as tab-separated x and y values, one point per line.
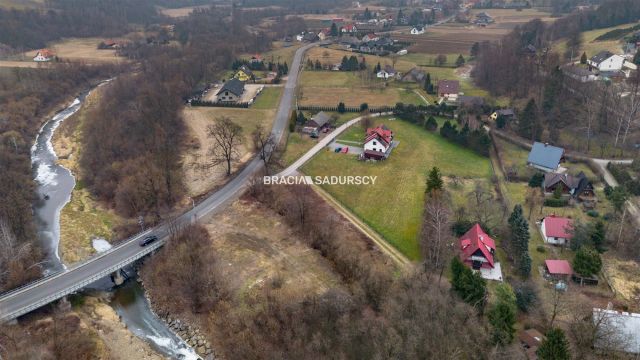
477	249
378	142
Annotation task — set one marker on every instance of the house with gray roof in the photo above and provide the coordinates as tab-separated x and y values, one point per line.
545	157
231	91
317	122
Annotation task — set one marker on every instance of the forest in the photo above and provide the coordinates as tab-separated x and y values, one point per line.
131	156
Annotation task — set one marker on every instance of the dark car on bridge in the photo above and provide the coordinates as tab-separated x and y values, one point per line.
148	240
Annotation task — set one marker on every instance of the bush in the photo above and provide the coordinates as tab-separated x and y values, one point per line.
552	202
431	124
536	180
541	249
593	213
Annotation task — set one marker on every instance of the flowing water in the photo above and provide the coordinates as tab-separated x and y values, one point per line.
55	184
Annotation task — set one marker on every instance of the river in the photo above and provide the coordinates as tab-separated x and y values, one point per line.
55	184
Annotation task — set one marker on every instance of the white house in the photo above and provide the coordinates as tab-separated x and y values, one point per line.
387	72
556	230
417	30
44	55
607	61
350	29
370	37
378	142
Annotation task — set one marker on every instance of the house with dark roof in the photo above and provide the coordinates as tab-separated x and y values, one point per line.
378	143
483	19
317	122
414	75
578	186
449	89
477	249
231	91
531	339
244	74
387	72
507	113
606	61
579	73
556	230
545	157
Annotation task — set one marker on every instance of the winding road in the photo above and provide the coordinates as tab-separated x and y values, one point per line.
53	287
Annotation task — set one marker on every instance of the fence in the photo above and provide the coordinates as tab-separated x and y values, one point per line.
243	105
346	109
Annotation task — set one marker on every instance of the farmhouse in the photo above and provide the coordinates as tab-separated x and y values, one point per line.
387	72
578	186
621	330
558	269
414	75
231	91
324	34
545	157
317	123
507	113
556	230
370	37
449	89
418	30
483	19
477	249
579	73
378	143
606	61
349	29
244	74
44	55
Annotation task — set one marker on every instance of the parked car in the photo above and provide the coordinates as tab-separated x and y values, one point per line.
148	240
338	149
314	134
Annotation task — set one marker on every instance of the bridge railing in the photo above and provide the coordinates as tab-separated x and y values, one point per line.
75	287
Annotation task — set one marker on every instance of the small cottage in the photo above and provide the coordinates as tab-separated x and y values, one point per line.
231	91
44	55
556	230
477	249
558	269
317	122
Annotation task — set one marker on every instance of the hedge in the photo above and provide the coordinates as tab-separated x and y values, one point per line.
552	202
219	104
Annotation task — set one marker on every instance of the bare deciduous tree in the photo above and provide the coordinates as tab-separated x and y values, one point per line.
533	199
264	143
435	239
227	136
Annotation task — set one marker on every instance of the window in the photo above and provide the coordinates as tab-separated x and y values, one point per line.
226	93
375	143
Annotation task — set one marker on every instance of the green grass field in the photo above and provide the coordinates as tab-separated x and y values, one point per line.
592	47
268	98
393	206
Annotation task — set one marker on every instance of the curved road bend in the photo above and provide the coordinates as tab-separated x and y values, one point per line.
32	296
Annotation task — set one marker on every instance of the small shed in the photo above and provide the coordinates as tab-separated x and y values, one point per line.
558	269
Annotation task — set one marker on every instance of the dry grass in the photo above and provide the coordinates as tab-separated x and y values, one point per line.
323	96
200	181
258	250
23	64
181	12
592	47
80	49
21	4
624	277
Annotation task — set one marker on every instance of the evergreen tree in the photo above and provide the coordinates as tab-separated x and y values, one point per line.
552	88
469	285
525	265
318	65
460	60
400	16
341	108
301	119
520	240
344	64
475	49
309	64
536	180
434	180
292	121
431	124
367	14
285	68
636	58
334	29
528	122
583	58
598	236
501	121
428	79
353	63
587	261
502	316
554	347
364	107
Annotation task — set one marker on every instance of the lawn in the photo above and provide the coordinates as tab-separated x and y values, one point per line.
268	98
297	145
393	206
352	97
81	49
592	47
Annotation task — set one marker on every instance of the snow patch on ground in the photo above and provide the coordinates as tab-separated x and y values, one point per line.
181	351
45	175
101	245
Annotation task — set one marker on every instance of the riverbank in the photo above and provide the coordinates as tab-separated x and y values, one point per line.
83	218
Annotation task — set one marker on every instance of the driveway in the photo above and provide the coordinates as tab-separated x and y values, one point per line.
353	150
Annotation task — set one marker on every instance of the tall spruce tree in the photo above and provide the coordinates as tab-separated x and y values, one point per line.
554	347
528	124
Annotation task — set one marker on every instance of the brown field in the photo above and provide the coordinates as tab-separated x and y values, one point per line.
181	12
334	56
458	38
23	64
198	180
21	4
80	49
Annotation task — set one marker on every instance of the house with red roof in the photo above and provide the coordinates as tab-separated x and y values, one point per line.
324	33
558	269
349	29
477	249
449	89
44	55
377	143
557	230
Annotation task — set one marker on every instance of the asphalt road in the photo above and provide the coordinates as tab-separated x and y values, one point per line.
57	285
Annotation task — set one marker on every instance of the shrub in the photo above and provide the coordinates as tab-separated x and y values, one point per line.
552	202
541	249
536	180
593	213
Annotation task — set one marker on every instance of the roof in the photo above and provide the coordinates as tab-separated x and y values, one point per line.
573	182
626	326
545	155
389	69
476	239
448	86
531	337
245	70
320	118
349	27
45	53
234	86
558	227
414	74
374	154
506	112
381	132
577	71
558	267
601	56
